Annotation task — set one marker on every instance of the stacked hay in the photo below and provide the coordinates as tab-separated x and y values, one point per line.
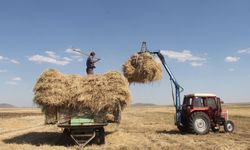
100	91
51	89
98	94
142	68
51	115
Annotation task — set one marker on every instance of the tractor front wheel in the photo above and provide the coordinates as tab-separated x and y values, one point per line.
200	123
229	126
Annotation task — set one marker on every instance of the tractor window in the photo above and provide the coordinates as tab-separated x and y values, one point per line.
198	102
211	103
187	101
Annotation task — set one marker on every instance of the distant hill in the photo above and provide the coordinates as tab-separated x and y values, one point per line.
143	104
5	105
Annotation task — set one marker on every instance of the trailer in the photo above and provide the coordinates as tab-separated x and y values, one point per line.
84	131
84	127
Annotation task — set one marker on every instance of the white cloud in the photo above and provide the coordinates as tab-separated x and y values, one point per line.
42	59
67	59
16	79
185	56
231	59
197	64
2	71
50	58
71	51
231	69
80	59
8	60
2	58
75	55
14	61
51	54
11	83
246	50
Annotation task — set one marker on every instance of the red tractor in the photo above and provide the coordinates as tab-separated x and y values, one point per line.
201	112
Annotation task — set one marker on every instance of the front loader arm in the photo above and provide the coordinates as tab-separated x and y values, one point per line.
178	88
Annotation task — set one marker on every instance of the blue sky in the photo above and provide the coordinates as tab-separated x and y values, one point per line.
206	43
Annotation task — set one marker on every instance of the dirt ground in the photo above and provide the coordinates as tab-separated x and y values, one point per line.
141	128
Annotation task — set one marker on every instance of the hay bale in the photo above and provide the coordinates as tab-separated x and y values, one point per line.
51	89
110	117
142	68
97	93
50	114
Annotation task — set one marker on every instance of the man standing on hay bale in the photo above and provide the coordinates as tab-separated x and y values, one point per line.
91	63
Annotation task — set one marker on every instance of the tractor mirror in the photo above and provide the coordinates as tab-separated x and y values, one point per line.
222	102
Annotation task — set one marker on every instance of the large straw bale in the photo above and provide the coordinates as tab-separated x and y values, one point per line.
51	89
101	91
98	93
142	68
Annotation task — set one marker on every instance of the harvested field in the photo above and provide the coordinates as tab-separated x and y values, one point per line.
16	112
141	128
18	119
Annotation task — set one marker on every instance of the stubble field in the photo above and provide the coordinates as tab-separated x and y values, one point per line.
141	128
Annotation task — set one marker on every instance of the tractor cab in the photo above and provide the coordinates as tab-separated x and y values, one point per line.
201	112
201	101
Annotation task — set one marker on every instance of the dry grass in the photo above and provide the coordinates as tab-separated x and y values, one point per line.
142	68
94	92
141	128
17	112
238	110
16	119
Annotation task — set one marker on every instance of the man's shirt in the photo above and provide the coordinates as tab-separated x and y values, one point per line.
90	62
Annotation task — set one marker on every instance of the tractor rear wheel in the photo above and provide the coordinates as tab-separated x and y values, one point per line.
199	123
229	126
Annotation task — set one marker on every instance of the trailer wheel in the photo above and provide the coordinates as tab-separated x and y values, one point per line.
199	123
229	126
66	131
100	136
